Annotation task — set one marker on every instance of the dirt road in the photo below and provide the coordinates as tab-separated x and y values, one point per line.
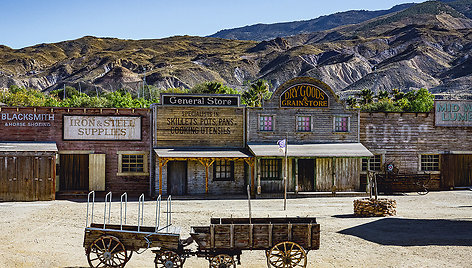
434	230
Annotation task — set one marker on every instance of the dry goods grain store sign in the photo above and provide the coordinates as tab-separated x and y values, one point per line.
453	113
79	127
304	96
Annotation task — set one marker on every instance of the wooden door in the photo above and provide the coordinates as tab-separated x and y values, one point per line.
456	170
74	172
324	174
177	177
306	175
97	172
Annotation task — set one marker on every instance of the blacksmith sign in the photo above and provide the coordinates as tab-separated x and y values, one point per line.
453	113
304	96
81	127
200	100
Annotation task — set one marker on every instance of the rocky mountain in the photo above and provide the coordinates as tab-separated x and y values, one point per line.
426	45
261	32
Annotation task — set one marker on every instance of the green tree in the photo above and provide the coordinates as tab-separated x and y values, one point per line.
366	96
256	93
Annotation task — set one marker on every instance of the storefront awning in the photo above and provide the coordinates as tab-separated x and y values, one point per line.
312	150
201	153
28	147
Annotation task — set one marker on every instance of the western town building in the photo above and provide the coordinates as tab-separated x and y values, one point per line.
199	143
211	144
437	143
322	137
44	151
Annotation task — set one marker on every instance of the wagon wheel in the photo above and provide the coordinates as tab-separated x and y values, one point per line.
130	254
168	259
107	251
222	261
286	255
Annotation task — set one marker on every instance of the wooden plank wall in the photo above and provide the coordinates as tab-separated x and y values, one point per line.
402	137
324	174
27	178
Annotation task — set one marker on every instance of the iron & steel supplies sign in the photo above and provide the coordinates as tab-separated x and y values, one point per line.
453	113
197	100
80	127
304	96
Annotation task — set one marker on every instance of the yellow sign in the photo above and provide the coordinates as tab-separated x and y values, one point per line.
304	96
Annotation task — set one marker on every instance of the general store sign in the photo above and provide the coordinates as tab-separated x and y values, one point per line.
304	96
79	127
200	100
453	113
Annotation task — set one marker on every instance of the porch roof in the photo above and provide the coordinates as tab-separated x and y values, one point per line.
312	150
30	146
201	153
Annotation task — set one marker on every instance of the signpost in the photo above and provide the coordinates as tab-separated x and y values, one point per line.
283	146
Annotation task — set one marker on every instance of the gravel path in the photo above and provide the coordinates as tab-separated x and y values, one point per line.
434	230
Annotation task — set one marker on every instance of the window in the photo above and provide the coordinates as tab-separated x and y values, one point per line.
132	163
430	162
303	123
271	169
266	123
374	163
341	123
223	170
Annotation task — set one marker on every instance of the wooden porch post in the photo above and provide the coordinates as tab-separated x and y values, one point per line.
160	176
206	163
251	164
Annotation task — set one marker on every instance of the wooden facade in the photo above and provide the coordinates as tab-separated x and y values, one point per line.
91	157
305	111
404	139
199	145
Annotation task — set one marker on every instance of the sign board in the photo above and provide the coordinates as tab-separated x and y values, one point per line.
200	100
26	119
81	127
453	113
304	96
200	127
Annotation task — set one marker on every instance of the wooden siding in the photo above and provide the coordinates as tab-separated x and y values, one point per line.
27	178
49	128
324	174
199	127
347	174
403	137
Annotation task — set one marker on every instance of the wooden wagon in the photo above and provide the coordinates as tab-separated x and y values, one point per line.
112	245
286	241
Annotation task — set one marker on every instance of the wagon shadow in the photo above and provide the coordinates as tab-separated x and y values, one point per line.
414	232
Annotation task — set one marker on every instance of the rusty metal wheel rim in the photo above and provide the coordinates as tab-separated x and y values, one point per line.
107	251
168	259
221	261
287	255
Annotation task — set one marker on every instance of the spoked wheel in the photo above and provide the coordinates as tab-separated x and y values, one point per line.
107	251
222	261
130	254
168	259
286	255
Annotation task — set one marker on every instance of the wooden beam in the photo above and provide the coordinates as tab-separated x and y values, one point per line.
160	176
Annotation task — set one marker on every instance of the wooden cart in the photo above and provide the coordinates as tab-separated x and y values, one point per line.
112	245
286	241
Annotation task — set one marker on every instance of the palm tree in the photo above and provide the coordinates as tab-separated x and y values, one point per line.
257	92
366	96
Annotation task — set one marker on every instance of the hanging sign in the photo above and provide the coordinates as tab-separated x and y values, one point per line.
304	96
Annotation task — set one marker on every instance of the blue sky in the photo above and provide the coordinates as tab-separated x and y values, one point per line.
29	22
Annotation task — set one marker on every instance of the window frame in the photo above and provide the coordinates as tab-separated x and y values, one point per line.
145	171
259	120
348	123
277	169
381	163
310	124
421	162
231	166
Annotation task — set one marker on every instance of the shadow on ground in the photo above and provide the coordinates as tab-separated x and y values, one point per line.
414	232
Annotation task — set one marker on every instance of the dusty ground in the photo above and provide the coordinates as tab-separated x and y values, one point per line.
434	230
